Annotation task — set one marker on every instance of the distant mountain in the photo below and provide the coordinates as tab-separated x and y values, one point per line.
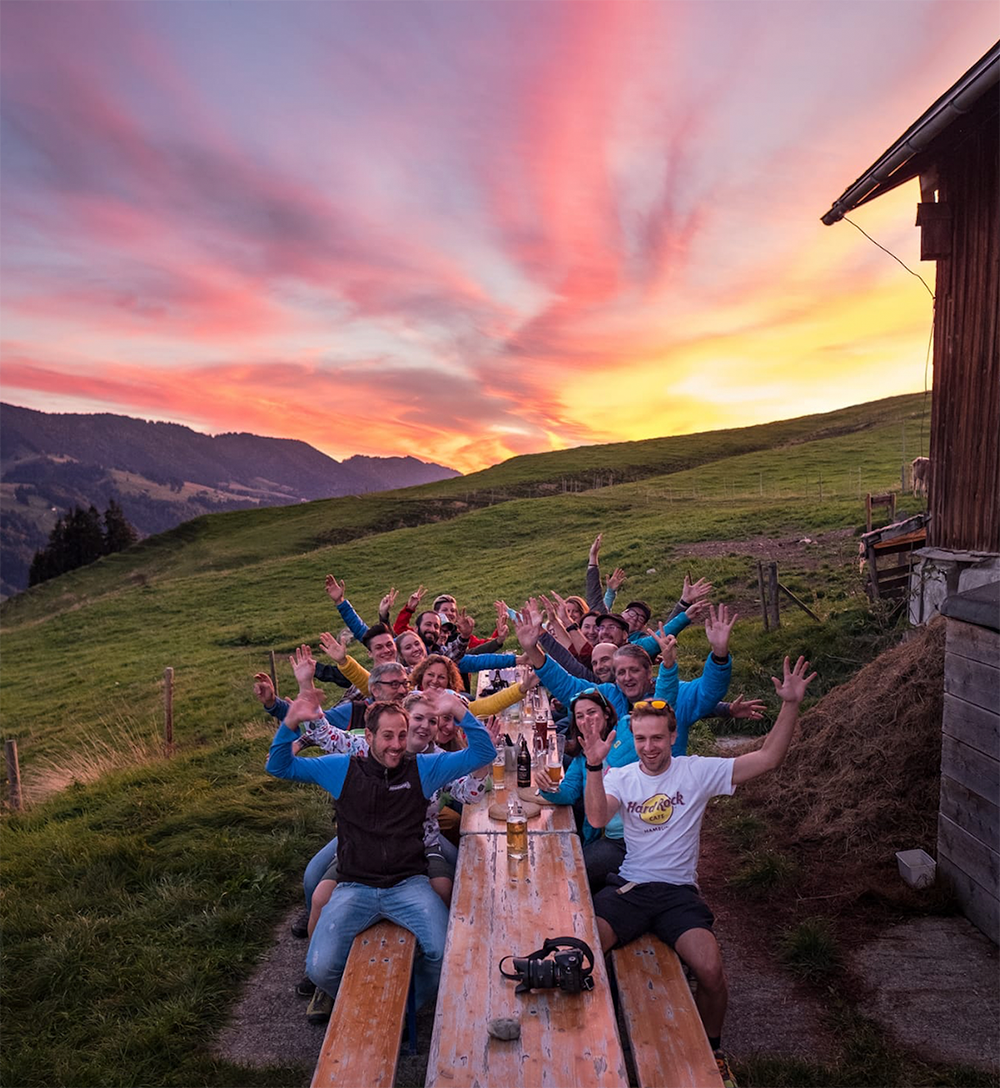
161	474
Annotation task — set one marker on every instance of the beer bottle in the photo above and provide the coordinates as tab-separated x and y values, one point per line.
523	765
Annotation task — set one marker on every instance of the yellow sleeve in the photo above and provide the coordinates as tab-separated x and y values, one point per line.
493	704
357	674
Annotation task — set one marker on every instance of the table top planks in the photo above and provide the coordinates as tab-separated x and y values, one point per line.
502	907
476	818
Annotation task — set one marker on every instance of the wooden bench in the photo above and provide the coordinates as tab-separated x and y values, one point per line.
361	1045
669	1046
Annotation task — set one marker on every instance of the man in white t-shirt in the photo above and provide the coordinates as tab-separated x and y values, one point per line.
662	801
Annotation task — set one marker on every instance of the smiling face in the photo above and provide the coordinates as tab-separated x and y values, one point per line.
587	714
436	676
588	626
391	687
449	610
382	648
429	628
411	649
602	662
653	736
636	618
447	728
574	611
611	631
632	675
388	743
423	727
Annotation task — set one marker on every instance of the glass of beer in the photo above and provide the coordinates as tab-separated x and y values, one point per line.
553	764
517	835
499	764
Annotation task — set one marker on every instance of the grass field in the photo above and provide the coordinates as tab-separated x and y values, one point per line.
135	903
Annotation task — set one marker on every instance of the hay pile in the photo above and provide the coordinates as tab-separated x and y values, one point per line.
863	773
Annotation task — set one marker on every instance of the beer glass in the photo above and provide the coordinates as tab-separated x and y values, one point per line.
553	763
499	765
517	834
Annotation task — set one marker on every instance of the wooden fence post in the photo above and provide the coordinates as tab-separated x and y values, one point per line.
13	775
772	577
168	707
763	596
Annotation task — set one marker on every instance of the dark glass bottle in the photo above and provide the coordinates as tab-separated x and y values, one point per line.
523	765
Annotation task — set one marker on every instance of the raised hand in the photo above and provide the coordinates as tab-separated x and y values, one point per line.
792	687
413	601
695	591
503	626
464	624
528	626
306	706
667	644
263	689
595	550
530	680
333	648
385	605
697	610
595	750
616	579
493	727
304	666
335	589
747	708
445	702
562	613
718	628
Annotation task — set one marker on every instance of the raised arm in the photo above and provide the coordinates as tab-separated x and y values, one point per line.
440	768
791	689
594	591
326	771
598	806
352	670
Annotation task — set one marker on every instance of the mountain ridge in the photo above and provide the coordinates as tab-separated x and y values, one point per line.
162	474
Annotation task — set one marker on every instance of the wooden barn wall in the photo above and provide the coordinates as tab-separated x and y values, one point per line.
969	816
965	418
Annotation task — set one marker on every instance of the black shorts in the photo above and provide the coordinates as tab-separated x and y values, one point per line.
668	910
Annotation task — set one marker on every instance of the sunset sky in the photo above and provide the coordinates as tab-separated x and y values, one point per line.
463	230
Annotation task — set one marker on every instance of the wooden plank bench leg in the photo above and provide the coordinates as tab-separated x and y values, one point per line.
362	1040
669	1046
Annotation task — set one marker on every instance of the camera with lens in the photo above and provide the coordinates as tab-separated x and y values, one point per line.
563	963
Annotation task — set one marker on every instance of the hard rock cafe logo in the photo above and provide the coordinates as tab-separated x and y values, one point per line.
656	809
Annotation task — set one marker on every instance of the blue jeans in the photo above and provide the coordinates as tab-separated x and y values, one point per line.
316	868
411	903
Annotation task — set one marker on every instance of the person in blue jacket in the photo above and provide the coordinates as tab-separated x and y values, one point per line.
381	804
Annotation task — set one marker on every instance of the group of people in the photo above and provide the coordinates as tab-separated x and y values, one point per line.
407	745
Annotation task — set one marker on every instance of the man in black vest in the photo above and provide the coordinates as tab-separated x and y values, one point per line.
381	805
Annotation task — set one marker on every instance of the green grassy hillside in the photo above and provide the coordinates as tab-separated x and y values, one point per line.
134	903
211	597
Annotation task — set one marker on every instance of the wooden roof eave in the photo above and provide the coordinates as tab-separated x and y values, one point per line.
913	151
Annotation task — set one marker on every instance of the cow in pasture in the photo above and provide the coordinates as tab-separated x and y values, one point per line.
920	470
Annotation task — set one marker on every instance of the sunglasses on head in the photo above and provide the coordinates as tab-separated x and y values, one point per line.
652	704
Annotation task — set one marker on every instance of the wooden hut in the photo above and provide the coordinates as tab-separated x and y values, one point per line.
954	149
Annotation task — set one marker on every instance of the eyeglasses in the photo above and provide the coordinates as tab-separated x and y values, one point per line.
651	704
392	683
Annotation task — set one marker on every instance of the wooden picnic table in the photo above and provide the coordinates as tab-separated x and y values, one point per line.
501	907
476	818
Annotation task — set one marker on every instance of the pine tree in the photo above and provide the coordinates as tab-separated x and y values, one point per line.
119	534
